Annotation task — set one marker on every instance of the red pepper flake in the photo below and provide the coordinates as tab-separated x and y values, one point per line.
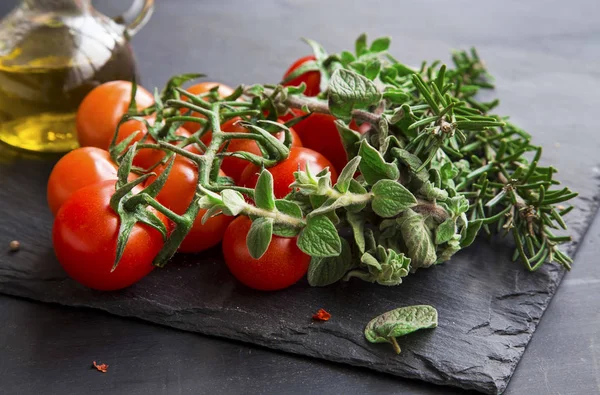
321	315
102	367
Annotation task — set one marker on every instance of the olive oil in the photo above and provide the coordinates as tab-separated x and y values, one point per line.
52	53
39	97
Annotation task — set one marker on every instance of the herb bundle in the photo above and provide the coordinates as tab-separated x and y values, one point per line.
435	169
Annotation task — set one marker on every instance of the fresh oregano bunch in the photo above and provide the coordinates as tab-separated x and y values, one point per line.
435	169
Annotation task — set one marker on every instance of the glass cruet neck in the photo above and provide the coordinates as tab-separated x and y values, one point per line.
57	5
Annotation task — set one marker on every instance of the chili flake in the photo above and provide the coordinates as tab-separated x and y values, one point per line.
321	315
102	367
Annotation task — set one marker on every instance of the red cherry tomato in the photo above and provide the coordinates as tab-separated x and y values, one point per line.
280	267
199	89
234	167
77	169
283	172
312	79
318	132
101	110
85	241
147	157
177	194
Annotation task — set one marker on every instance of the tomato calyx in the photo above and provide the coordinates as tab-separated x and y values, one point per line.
129	216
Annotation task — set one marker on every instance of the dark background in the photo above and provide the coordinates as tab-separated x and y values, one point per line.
48	349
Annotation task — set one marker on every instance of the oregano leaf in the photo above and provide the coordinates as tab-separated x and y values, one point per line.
390	198
380	44
259	237
445	231
473	228
347	175
318	50
233	202
350	138
399	322
347	58
372	69
357	224
263	192
418	239
326	271
320	237
349	90
288	208
360	46
373	167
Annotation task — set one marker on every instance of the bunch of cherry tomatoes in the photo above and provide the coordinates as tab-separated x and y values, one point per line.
81	184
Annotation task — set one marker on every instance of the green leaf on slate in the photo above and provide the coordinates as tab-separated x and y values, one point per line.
418	239
320	237
399	322
263	192
373	167
445	231
390	198
349	90
326	271
259	237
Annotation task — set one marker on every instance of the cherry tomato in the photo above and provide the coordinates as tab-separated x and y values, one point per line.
177	194
101	110
147	157
283	172
312	79
280	267
85	241
234	167
199	89
77	169
318	132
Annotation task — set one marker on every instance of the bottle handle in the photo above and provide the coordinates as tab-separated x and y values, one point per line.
136	16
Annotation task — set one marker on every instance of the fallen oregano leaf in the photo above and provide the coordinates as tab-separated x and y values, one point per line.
399	322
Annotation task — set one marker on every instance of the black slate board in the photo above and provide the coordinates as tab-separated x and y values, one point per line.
488	307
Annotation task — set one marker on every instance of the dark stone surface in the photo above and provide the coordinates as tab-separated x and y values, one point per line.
488	307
